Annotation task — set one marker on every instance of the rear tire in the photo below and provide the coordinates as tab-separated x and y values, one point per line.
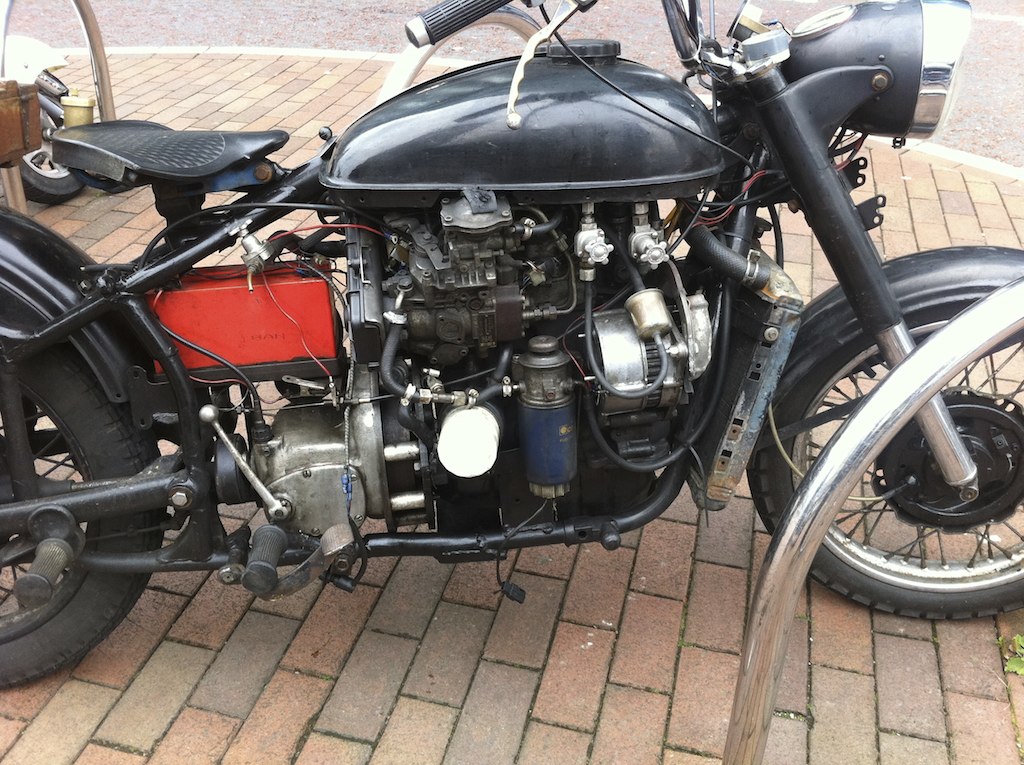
79	435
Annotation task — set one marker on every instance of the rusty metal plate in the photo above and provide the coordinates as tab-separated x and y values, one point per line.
20	132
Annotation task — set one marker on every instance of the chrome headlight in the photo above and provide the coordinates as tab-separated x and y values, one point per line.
919	41
946	26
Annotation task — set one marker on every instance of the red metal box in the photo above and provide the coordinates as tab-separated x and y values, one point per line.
287	316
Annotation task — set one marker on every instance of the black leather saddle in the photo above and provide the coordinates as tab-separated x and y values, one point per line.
136	152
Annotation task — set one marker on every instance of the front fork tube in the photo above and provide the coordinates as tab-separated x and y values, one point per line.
797	120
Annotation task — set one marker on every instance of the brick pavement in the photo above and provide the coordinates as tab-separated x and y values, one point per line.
624	657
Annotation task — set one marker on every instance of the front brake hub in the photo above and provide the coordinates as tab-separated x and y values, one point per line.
993	430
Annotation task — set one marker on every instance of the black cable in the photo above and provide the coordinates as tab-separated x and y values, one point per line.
242	377
636	466
780	257
641	104
505	586
141	261
693	222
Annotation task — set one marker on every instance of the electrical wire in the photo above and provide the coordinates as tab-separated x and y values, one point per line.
641	104
302	334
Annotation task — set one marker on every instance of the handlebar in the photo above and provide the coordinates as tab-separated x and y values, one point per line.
446	18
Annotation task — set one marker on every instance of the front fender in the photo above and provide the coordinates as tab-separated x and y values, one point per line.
921	282
39	276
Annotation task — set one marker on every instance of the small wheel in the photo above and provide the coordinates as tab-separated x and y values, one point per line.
76	434
905	541
44	180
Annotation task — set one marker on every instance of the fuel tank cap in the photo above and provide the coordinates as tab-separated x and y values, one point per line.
591	51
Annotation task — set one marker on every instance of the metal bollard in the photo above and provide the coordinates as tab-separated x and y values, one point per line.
833	476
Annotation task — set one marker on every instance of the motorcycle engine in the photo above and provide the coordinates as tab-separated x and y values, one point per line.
484	298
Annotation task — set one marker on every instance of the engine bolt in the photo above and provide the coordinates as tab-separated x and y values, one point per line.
307	473
447	218
180	498
771	334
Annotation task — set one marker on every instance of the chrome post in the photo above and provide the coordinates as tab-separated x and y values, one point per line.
98	59
10	177
831	479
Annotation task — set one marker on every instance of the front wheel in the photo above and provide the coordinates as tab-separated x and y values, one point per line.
76	434
905	542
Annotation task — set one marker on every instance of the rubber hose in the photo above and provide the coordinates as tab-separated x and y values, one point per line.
706	247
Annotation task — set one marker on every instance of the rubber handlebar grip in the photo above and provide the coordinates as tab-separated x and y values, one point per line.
448	17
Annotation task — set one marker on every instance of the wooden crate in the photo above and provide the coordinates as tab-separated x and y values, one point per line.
19	121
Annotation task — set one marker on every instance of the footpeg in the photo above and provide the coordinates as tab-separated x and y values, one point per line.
35	588
268	545
60	542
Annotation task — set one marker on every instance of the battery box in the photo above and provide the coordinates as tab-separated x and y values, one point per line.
214	309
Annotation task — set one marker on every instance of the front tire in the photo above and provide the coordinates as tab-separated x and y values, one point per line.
904	542
76	434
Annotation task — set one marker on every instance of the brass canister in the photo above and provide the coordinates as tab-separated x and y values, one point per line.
78	110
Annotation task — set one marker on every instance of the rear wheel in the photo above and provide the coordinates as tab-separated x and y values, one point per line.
76	434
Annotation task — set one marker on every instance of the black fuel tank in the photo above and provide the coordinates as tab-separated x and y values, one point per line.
579	140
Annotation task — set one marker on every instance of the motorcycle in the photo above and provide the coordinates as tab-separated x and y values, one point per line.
498	336
31	62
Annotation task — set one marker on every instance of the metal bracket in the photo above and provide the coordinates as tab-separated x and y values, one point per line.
854	172
870	211
147	398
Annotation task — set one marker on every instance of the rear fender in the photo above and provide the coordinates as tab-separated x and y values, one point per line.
39	276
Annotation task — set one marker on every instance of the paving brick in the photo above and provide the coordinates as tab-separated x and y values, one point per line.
327	635
570	691
244	666
970	658
522	631
840	632
9	732
551	560
981	731
714	614
546	744
631	727
474	584
904	750
903	626
25	701
449	654
598	587
116	660
367	687
62	729
494	715
909	693
682	509
705	683
844	717
197	737
787	742
417	732
149	706
645	652
664	559
295	606
328	750
408	601
724	537
672	757
94	754
282	715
